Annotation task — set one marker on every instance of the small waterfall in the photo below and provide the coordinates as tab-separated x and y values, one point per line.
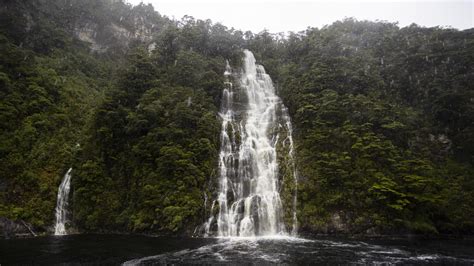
291	154
61	204
249	187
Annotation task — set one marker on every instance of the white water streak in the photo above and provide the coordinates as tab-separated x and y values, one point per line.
249	199
61	204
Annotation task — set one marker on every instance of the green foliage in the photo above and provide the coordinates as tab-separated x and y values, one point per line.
154	142
40	128
383	118
377	140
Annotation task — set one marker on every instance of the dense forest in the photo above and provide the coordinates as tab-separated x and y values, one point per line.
383	119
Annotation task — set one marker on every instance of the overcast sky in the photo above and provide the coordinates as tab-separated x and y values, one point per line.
285	15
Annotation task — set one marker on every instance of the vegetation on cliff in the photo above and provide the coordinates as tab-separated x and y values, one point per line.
383	118
384	125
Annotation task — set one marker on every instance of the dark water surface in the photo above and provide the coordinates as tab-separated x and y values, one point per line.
131	250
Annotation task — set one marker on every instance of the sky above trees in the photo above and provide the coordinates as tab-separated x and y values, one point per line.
286	15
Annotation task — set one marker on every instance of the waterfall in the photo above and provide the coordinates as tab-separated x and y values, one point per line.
294	230
62	203
253	117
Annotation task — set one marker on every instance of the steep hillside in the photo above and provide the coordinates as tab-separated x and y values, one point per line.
383	119
384	123
94	84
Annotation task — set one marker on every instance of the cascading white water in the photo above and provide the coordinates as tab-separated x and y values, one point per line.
248	196
62	203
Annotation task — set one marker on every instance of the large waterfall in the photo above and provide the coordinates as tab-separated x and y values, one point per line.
62	203
253	118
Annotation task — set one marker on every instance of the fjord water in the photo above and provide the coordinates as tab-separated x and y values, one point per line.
143	250
62	203
253	116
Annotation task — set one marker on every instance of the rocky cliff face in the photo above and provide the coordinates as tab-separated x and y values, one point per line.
101	37
84	21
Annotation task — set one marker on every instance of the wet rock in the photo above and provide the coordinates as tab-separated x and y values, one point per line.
15	229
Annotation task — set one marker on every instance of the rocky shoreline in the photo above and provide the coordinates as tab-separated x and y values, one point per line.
16	229
10	229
